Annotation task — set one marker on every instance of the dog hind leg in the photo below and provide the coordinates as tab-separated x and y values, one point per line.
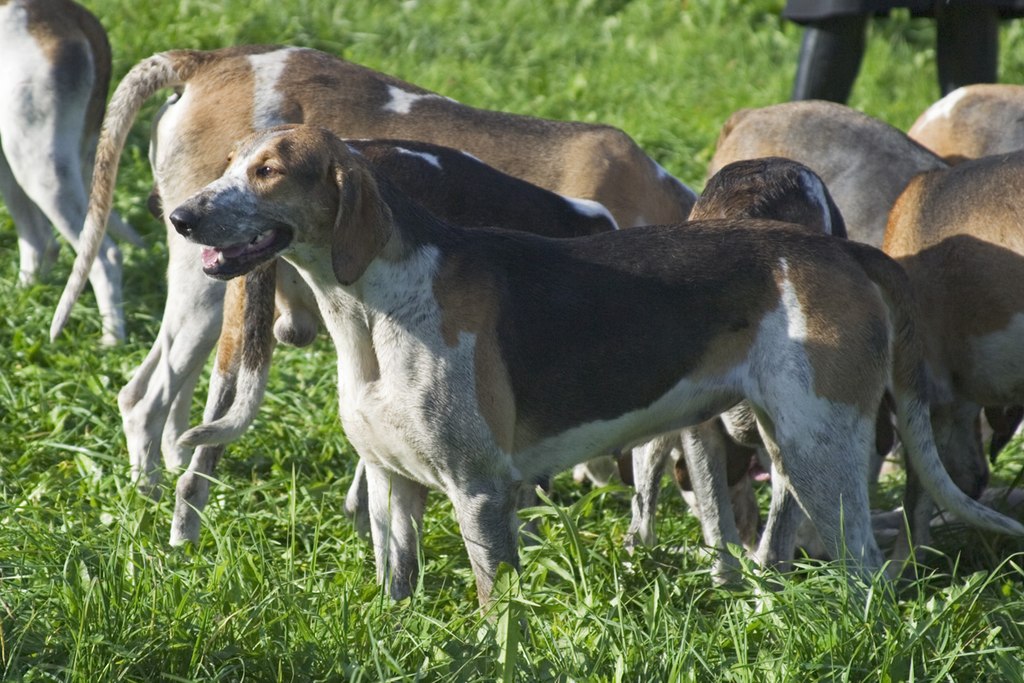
704	451
37	249
648	468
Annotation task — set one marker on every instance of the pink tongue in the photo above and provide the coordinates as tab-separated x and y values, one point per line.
210	257
210	254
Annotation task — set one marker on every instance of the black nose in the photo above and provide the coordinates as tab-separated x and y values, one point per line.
184	221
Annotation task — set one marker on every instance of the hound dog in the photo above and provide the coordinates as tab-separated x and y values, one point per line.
224	95
475	361
451	184
864	162
712	460
53	88
972	122
957	234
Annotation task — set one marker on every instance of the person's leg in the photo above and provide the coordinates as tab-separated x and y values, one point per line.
966	45
830	57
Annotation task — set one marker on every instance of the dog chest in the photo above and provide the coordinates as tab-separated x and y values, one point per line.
407	396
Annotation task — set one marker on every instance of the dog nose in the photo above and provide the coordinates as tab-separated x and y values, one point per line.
183	220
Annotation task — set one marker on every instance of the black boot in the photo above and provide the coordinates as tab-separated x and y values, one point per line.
966	45
830	56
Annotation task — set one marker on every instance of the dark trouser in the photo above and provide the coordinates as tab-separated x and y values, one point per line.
966	46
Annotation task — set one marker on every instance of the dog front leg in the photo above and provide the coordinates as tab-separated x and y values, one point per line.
648	468
705	453
487	519
396	506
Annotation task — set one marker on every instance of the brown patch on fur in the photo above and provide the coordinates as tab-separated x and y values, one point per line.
464	295
755	299
772	188
259	316
205	136
856	330
957	234
623	180
581	160
363	223
954	159
228	346
245	337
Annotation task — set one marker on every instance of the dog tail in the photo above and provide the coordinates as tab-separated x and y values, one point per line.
243	360
162	70
909	387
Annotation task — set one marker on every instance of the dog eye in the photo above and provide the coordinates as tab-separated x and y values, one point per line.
264	172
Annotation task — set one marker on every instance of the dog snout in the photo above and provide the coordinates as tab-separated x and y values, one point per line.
184	220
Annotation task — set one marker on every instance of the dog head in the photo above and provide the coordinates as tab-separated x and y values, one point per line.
774	188
285	187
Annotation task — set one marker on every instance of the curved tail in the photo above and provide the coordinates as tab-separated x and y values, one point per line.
243	359
910	395
162	70
250	387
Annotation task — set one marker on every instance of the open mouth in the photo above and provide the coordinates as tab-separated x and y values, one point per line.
233	260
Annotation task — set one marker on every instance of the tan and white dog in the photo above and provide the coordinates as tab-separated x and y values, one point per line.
864	162
224	95
957	234
452	185
54	75
476	361
972	122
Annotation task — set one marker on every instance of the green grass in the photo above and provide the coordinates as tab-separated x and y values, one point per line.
281	588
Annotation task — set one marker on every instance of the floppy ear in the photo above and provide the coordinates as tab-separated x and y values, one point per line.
362	225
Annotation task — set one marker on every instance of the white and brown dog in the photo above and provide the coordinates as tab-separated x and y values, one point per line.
972	122
452	185
957	234
865	162
475	361
54	75
224	95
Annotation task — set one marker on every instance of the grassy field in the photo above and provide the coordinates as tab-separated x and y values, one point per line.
281	588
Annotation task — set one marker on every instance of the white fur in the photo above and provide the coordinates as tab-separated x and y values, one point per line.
943	109
429	158
402	101
588	207
267	69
